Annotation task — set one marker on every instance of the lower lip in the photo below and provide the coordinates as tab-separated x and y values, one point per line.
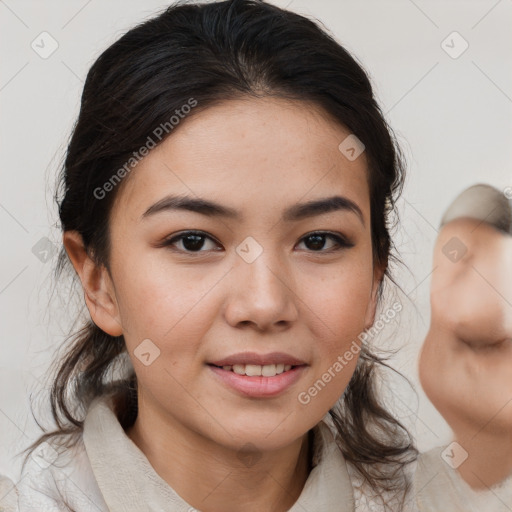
259	387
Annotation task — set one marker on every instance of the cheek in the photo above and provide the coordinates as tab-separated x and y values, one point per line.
166	314
341	300
340	303
163	303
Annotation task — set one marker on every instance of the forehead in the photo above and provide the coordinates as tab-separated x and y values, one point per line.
259	153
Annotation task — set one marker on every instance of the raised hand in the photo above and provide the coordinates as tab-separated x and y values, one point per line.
466	361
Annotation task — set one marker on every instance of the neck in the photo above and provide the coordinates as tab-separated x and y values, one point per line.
211	477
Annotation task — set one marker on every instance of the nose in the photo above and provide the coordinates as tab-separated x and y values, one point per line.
261	294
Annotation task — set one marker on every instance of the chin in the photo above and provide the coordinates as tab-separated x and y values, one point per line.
266	434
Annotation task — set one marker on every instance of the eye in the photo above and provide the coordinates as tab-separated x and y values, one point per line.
194	242
316	241
191	241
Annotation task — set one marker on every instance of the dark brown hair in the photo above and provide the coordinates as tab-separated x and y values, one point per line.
214	52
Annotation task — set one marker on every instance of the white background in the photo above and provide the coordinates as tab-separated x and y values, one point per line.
453	118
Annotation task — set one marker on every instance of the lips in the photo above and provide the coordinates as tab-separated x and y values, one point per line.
259	375
264	385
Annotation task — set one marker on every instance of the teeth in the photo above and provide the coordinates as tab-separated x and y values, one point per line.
256	370
269	370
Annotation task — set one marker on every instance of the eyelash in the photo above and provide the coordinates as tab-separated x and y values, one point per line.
341	241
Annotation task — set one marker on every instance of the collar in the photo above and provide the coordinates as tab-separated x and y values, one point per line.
134	485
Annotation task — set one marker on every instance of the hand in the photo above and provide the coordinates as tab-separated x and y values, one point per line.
466	361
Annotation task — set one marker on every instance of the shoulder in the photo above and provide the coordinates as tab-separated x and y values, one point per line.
439	485
366	499
57	476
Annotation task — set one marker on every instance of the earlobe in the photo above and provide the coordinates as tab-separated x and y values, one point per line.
98	290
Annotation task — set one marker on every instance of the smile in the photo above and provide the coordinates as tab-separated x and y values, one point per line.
256	370
258	381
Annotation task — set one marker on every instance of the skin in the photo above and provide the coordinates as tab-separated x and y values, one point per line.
258	156
466	360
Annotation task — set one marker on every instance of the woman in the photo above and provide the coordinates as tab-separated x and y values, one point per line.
225	205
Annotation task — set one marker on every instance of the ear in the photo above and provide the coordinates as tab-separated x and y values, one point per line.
378	275
97	285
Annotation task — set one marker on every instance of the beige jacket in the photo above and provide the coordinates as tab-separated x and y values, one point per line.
106	471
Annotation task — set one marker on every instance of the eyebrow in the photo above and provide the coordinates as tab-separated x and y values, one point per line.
294	213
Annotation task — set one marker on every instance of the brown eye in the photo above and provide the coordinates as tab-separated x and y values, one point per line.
316	242
191	241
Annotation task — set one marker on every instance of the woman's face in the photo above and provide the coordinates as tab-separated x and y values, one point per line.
260	283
